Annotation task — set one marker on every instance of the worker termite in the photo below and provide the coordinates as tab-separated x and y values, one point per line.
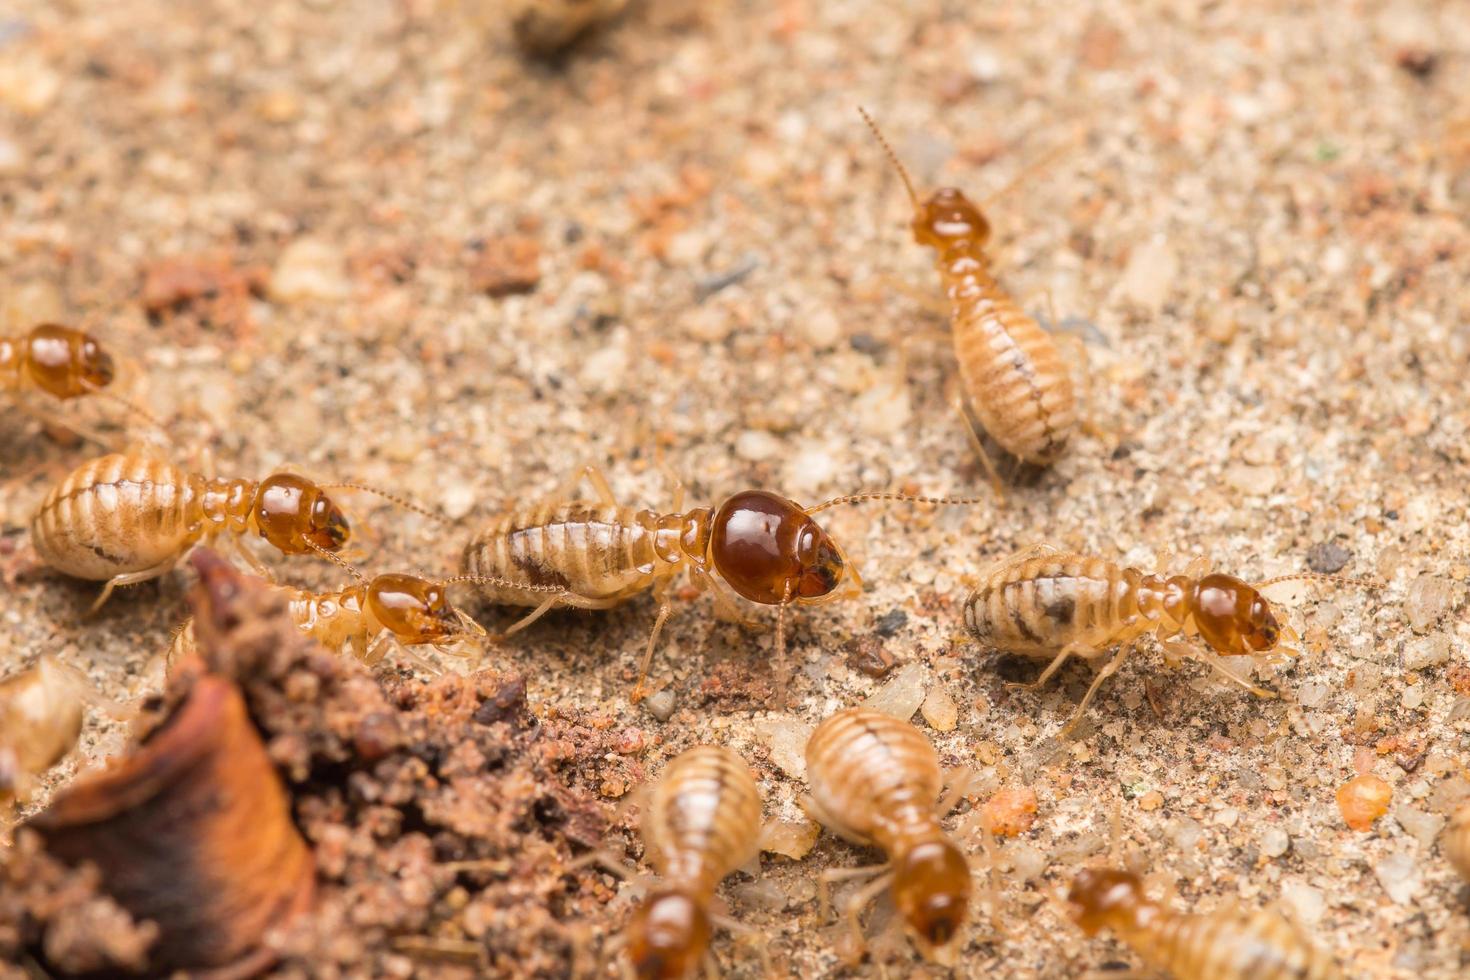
392	609
65	364
1013	376
876	780
41	711
1457	841
701	821
1048	604
127	518
1230	943
766	548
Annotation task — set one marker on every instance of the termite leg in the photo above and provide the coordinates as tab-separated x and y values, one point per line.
1070	650
727	607
832	876
50	420
743	931
665	606
855	905
593	474
257	567
1108	671
530	617
1210	660
131	578
961	780
963	408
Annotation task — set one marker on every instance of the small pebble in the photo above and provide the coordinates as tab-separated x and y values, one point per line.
1363	800
1306	903
1274	842
1257	481
891	622
660	704
903	693
790	839
786	737
757	446
1423	827
1428	599
1153	269
309	270
1427	651
939	710
1328	557
1009	812
1399	876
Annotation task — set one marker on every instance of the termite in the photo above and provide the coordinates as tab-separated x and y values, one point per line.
1457	841
766	548
701	821
876	780
394	609
128	517
1048	604
63	363
41	712
1013	376
1230	943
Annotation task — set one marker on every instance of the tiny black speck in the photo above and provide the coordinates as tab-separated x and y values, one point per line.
891	622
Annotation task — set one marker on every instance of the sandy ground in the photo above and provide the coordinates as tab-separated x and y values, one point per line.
374	242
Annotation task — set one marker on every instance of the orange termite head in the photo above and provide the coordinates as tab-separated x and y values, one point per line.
1103	897
416	610
668	936
291	511
770	550
947	218
66	362
1233	617
931	888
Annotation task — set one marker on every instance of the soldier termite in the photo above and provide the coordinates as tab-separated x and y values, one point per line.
875	780
41	711
1048	604
394	609
127	518
701	821
63	363
766	548
1013	376
1230	943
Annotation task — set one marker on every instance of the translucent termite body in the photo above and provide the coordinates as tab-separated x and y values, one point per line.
127	518
701	821
1053	605
62	362
1230	943
876	780
41	712
367	618
1014	377
1457	841
764	547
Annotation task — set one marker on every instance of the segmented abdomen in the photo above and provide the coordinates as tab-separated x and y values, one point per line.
870	772
703	817
1037	605
1017	383
116	515
1235	944
596	552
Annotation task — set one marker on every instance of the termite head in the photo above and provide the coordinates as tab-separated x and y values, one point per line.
668	936
771	551
948	217
1103	897
416	610
931	888
1233	617
296	516
67	363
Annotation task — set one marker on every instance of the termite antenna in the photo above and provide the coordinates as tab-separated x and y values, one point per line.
888	149
503	583
857	498
337	559
403	502
129	406
1318	577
